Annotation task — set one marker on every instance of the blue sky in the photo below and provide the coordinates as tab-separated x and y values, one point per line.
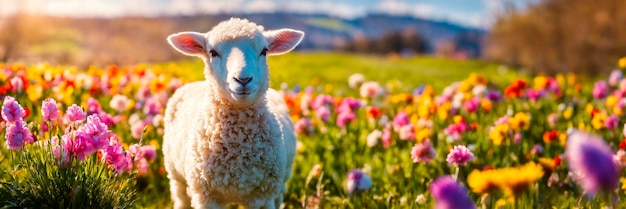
478	13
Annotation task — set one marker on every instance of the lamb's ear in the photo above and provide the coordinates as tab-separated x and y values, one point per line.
283	40
188	43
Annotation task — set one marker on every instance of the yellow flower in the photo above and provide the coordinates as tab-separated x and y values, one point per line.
611	101
34	92
540	82
563	138
547	163
483	182
622	63
597	122
567	114
516	180
623	180
571	78
422	134
498	134
443	110
521	121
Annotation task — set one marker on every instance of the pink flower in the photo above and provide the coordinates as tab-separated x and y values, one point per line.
459	155
61	150
472	104
304	125
323	113
136	129
620	158
534	95
553	118
93	106
17	134
386	138
119	102
75	113
612	122
400	120
321	100
17	83
349	104
344	118
115	157
143	167
358	181
49	110
93	135
423	152
407	132
615	77
591	161
537	149
152	106
11	110
600	89
371	89
149	152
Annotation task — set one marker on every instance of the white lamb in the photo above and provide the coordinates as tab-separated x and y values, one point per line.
230	139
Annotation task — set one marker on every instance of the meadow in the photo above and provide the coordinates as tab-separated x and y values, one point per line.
374	140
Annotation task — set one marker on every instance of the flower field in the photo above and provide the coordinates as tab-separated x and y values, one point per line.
386	133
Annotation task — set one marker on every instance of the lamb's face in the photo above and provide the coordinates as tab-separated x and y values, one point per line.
235	53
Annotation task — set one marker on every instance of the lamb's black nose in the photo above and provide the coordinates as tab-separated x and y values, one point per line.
243	81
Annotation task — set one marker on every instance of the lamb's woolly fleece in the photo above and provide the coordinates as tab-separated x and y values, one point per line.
224	154
234	29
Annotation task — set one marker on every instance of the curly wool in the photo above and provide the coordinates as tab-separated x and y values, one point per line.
234	29
231	155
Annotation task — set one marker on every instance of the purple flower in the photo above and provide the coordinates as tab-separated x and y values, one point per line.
90	137
344	118
75	113
494	95
448	194
11	110
17	134
358	181
152	106
591	161
459	155
49	110
423	152
600	89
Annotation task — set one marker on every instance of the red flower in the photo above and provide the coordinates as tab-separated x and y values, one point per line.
550	136
374	112
557	161
622	144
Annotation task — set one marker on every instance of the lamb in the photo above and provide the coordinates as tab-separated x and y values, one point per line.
229	139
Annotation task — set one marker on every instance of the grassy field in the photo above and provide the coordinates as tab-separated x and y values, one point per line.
515	125
320	68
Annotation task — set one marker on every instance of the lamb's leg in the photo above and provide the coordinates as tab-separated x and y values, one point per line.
179	194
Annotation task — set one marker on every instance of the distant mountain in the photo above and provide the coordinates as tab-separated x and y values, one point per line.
325	32
142	39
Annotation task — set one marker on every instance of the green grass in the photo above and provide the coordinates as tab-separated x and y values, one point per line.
315	68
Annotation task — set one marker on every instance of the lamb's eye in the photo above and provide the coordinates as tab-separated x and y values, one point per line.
213	53
264	52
